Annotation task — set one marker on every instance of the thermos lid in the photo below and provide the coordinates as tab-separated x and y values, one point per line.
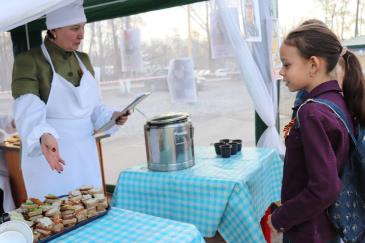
168	118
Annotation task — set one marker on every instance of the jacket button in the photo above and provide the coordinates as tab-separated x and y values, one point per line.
70	74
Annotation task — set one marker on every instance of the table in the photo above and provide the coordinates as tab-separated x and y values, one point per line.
225	195
12	156
121	225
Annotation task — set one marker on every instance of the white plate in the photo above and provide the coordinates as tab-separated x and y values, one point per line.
15	232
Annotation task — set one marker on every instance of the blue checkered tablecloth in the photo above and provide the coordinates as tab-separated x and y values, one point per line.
120	225
228	195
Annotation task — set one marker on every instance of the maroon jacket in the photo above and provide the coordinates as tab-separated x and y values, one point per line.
315	156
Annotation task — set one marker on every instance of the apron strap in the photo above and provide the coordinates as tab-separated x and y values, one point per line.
83	68
47	56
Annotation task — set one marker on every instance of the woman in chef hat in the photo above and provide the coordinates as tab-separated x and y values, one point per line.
57	108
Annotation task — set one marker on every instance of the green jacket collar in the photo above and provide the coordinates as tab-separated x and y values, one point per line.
53	49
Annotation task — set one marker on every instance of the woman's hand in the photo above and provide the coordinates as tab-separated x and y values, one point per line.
50	151
272	228
120	118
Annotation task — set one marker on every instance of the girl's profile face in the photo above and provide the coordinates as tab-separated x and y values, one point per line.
295	69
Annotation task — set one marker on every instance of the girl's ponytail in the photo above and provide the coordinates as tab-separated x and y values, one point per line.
354	87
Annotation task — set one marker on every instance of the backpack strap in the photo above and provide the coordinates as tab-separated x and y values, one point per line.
335	109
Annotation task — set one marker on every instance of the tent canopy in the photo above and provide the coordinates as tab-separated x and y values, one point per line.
96	10
25	19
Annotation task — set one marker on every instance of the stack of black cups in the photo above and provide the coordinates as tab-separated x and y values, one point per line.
228	147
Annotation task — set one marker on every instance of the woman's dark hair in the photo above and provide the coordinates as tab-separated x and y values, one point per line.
318	40
50	35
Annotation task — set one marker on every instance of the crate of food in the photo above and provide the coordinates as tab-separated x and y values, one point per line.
56	216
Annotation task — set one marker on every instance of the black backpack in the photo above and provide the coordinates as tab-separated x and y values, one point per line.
347	214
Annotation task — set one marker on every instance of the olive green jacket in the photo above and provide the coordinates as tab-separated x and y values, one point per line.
32	74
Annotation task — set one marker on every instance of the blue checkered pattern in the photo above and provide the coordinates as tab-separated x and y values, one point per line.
120	225
228	195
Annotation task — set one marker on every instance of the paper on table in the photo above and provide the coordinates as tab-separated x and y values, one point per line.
130	106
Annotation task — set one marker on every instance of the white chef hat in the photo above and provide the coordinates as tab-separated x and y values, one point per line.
66	16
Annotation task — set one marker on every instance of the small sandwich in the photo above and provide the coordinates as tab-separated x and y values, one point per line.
52	211
67	207
57	228
92	202
86	196
57	219
45	207
36	236
57	203
34	214
36	201
102	205
34	218
43	233
81	215
78	208
68	216
74	193
44	223
94	191
69	222
91	214
51	196
67	212
100	197
76	200
85	188
28	205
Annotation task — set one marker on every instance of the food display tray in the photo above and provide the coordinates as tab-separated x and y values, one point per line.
68	229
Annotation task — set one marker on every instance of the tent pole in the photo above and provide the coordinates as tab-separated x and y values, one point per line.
27	36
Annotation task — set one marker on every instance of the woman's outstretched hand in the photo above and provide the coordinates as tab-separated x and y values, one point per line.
50	151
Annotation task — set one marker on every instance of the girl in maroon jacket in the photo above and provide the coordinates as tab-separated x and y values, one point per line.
317	149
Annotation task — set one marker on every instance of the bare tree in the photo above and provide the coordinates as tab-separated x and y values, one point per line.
337	15
6	60
342	15
329	8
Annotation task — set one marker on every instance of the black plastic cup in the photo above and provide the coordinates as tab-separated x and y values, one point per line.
225	150
234	147
239	142
225	140
217	148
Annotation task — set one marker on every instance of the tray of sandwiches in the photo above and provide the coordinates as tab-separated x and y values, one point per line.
56	216
12	141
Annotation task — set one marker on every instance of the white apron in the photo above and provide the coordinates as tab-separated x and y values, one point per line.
68	111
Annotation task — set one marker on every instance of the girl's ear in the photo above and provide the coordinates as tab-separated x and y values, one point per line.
315	64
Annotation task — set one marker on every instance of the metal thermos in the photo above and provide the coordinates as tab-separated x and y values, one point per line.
169	142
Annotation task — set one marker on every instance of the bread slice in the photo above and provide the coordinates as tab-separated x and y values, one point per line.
58	228
69	222
44	223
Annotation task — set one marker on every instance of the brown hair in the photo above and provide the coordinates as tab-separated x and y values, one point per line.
313	21
318	40
50	35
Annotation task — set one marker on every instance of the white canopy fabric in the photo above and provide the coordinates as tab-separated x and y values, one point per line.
256	71
15	13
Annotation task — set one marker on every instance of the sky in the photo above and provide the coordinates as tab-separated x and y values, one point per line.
164	23
291	13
